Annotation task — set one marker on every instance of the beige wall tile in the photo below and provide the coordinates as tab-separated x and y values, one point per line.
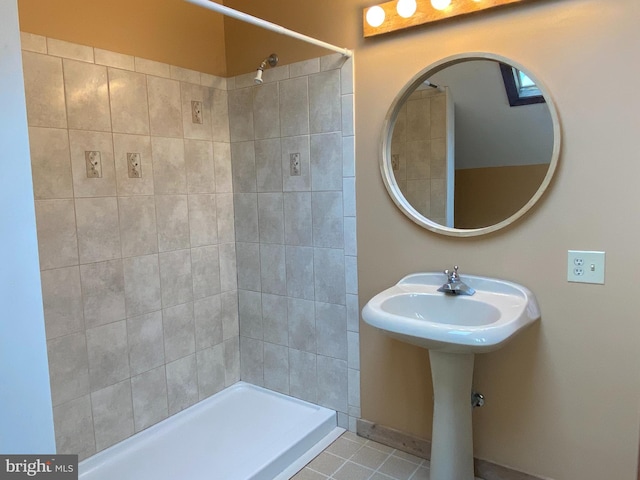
266	115
294	107
138	232
112	414
169	171
203	225
81	142
68	367
213	81
306	67
172	215
57	240
142	284
207	314
220	116
165	110
324	102
44	90
205	268
184	75
129	105
98	232
225	217
179	331
113	59
73	51
103	292
62	299
74	428
149	395
33	43
199	164
50	163
182	383
151	67
222	165
211	371
87	94
123	145
144	336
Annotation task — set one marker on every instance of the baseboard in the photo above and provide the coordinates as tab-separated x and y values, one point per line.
422	448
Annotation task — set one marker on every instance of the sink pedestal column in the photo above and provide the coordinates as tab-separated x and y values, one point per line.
452	436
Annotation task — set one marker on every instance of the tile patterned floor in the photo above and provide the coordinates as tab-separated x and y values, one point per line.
354	458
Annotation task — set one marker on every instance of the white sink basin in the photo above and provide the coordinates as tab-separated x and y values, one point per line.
415	312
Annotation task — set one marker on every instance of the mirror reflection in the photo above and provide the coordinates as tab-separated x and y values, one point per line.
472	143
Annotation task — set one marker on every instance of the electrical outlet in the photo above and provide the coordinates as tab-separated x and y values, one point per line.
294	165
94	164
196	112
134	165
585	266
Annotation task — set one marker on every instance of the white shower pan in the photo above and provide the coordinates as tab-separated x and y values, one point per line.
242	433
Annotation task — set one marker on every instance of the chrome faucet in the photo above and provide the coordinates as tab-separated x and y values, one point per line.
454	285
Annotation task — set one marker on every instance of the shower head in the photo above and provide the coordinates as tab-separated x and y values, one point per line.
270	61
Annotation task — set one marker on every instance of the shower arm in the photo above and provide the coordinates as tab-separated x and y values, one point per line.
230	12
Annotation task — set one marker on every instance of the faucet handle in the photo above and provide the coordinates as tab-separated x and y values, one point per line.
452	276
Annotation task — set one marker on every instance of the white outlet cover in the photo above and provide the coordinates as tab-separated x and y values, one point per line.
585	266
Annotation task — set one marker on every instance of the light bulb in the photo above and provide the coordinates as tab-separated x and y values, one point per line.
406	8
375	16
440	4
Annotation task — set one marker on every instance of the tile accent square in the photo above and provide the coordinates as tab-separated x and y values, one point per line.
81	142
124	145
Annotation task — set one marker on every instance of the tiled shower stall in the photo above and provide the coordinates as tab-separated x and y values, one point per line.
178	254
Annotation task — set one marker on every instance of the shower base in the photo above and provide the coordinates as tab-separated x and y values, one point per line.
242	433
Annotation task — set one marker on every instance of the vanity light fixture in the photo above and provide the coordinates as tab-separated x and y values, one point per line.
399	14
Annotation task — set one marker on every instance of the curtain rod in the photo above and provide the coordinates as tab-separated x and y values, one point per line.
230	12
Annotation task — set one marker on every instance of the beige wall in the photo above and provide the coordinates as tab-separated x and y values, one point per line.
169	31
486	196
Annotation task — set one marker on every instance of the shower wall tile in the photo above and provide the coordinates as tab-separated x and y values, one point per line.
98	230
294	107
276	74
266	118
229	306
250	313
248	265
220	115
302	325
245	80
123	145
205	268
346	77
103	292
213	81
225	217
211	371
353	348
252	361
332	61
68	367
276	368
73	425
112	414
138	232
87	95
50	163
57	239
231	361
184	74
351	274
182	383
348	157
114	59
33	43
145	338
198	157
329	279
243	165
300	275
175	277
347	115
169	170
268	165
142	284
222	166
271	217
333	386
165	107
349	192
246	217
290	146
207	313
151	67
179	331
306	67
149	395
60	48
273	269
303	377
297	218
353	313
350	236
81	142
328	219
240	115
275	319
172	214
228	271
129	104
353	388
326	162
203	225
62	301
108	353
331	330
325	102
196	93
44	90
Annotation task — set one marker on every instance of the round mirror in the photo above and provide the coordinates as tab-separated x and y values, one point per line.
470	144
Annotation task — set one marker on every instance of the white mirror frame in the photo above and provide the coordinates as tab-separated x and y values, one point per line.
387	133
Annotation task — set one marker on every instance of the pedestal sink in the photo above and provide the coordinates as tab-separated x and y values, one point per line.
454	328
